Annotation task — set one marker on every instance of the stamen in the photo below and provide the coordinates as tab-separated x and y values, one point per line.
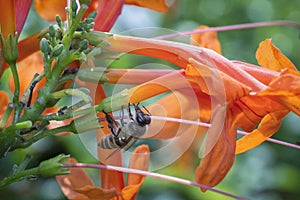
206	125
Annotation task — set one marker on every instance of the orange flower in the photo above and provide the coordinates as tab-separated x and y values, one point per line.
252	95
206	39
108	11
12	18
77	185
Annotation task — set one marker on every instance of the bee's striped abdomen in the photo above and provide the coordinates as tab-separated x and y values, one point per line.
111	142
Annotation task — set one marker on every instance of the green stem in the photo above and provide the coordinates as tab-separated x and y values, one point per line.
17	106
42	134
14	127
18	176
68	114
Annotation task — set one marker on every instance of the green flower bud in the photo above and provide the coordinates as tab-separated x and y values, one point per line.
92	15
89	20
84	44
57	50
53	166
74	6
52	31
84	2
44	46
85	123
10	48
59	21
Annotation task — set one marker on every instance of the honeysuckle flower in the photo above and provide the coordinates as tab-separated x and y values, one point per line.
77	185
108	11
12	18
253	95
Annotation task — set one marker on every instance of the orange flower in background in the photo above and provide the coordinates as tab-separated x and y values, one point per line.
77	185
107	11
12	18
206	39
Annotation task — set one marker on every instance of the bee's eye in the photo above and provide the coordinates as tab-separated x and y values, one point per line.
143	120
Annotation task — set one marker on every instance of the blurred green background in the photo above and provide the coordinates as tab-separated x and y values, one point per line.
268	172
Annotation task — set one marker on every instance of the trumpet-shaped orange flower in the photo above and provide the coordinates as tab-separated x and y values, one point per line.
253	95
12	18
108	11
77	185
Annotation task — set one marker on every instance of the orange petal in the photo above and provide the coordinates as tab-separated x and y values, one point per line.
28	46
264	75
91	192
156	86
3	102
138	160
179	104
267	127
22	9
7	17
48	9
157	5
136	76
108	13
216	83
180	54
271	57
253	109
76	179
206	39
285	89
219	159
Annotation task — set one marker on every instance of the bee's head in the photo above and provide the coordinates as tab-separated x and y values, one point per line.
143	120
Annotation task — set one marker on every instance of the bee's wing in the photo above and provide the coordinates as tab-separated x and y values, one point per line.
113	153
131	142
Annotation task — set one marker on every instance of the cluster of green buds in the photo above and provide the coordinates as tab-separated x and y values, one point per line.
61	44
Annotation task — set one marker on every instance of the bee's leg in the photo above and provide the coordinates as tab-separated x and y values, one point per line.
122	117
147	110
129	111
111	123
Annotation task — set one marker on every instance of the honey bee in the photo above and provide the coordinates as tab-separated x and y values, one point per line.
127	131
